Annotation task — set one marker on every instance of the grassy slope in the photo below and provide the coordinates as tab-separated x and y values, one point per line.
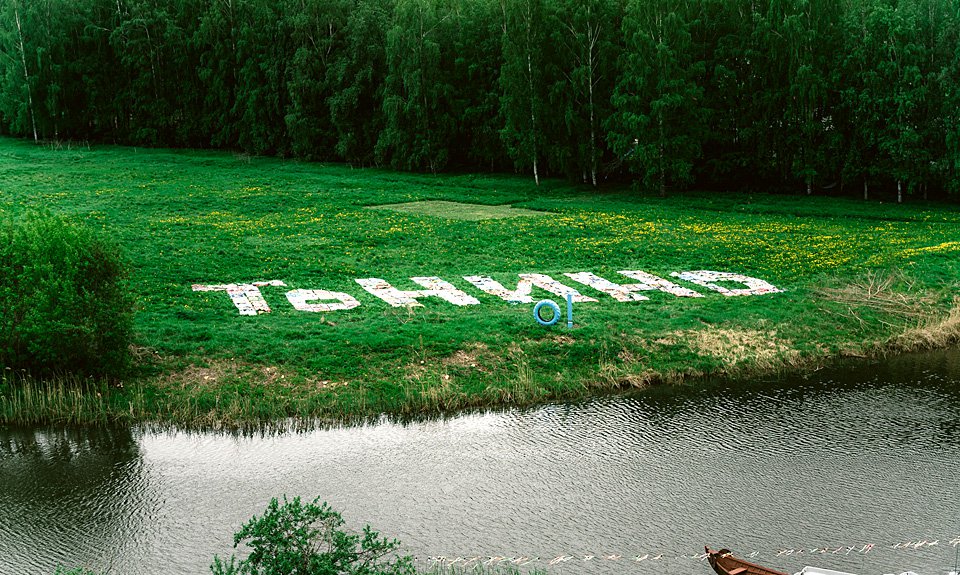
858	276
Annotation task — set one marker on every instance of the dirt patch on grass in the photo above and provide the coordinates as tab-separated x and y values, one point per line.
470	358
415	371
458	210
737	347
475	356
627	356
218	372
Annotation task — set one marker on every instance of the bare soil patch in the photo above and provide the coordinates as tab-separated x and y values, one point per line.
459	210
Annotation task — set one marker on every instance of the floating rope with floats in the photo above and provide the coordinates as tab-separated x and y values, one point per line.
661	556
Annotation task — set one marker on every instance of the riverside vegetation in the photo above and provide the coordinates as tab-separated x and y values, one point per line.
861	278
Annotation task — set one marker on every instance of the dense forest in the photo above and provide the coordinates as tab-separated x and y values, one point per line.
846	96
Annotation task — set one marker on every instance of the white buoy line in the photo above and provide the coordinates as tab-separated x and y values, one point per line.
524	560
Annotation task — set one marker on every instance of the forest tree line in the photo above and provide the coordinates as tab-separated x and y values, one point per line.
843	95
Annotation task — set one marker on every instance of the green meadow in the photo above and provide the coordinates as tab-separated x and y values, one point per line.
860	279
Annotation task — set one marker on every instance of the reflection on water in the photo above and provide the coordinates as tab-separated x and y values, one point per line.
833	462
69	496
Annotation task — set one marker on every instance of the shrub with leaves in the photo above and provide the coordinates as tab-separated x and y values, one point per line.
65	306
293	538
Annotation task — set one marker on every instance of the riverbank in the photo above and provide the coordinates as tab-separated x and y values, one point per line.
321	338
867	449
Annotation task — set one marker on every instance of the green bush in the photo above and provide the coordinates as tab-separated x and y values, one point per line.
64	300
308	539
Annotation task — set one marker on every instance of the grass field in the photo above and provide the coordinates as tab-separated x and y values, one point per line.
859	278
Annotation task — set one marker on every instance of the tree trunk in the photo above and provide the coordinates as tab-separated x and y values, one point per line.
899	192
26	74
809	187
663	175
866	191
593	136
153	67
592	41
423	91
533	112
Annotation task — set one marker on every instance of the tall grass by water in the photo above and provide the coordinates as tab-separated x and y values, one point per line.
63	399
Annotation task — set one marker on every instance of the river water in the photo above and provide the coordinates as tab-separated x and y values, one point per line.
841	469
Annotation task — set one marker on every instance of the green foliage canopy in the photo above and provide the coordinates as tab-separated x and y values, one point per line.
294	538
66	306
792	94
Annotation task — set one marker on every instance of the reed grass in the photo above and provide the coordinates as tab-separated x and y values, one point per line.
64	399
934	332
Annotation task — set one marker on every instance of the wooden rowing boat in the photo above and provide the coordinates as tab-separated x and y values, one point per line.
724	563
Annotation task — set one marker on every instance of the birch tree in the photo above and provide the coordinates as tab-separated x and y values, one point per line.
216	43
809	31
417	92
317	33
583	33
476	48
16	98
658	123
523	90
357	79
949	71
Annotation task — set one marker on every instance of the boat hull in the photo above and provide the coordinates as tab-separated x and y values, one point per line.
725	563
